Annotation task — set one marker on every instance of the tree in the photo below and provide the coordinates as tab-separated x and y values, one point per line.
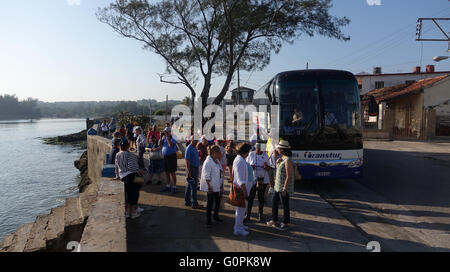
187	101
214	37
159	112
11	107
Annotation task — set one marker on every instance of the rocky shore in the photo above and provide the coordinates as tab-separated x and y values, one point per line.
82	166
77	139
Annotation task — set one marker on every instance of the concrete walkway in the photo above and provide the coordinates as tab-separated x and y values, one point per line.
167	225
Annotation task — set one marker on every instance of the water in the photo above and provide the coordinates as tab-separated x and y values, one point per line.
35	177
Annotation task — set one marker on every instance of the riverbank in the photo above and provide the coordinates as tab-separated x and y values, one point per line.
78	139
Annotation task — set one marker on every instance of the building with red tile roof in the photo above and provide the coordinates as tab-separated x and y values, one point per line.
418	110
378	80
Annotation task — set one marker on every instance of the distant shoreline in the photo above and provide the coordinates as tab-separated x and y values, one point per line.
17	119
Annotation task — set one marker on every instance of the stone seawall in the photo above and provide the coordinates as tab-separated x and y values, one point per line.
105	230
97	148
94	220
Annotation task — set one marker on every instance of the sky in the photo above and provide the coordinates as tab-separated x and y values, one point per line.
57	50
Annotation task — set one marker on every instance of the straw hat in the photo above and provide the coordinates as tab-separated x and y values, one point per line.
284	145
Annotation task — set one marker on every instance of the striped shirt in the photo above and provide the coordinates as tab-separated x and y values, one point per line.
126	164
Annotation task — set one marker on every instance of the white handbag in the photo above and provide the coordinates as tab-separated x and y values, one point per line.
157	155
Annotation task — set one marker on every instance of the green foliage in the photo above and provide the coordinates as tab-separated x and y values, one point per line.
140	120
187	101
160	112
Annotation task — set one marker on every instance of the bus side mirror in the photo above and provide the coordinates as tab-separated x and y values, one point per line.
373	106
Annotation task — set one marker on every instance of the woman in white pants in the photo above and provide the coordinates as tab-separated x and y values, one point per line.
212	183
240	179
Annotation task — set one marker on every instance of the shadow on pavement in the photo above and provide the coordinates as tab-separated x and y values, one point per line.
168	225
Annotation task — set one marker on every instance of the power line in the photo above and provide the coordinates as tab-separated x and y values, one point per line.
368	47
391	43
381	50
398	64
396	41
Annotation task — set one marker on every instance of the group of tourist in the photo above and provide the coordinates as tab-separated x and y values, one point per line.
257	174
162	148
249	168
108	128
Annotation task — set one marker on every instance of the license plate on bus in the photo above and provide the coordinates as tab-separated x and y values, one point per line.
323	174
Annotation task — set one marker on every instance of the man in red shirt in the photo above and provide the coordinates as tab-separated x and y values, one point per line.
202	148
153	131
123	131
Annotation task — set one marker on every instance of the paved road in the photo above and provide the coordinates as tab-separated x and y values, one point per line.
403	201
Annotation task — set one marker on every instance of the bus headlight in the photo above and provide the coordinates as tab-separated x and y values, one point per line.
356	163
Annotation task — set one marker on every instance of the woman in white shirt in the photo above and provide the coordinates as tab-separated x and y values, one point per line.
212	183
105	128
140	146
259	161
223	159
241	179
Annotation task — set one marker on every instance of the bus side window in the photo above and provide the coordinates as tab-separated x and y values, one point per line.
273	89
268	92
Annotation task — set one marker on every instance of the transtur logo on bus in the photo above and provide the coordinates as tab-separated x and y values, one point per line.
331	155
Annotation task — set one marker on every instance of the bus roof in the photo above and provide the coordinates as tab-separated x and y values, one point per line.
316	73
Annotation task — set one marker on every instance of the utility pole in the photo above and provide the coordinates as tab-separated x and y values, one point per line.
239	87
167	106
150	108
436	22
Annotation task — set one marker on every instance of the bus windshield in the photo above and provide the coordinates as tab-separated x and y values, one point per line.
320	114
300	105
340	105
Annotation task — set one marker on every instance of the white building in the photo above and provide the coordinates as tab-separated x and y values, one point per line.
378	80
